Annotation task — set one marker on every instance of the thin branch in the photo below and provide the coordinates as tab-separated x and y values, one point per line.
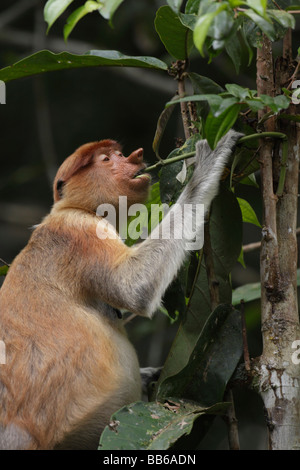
4	262
245	341
184	106
232	424
246	138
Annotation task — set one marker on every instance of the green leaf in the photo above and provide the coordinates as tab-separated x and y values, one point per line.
225	104
276	103
192	7
258	5
170	187
241	258
161	126
290	117
176	37
255	104
221	25
247	293
203	25
4	270
109	8
266	26
249	48
188	20
212	362
252	34
53	9
250	292
234	50
203	85
78	14
149	221
175	5
284	18
248	213
46	61
216	127
238	91
214	101
250	180
154	426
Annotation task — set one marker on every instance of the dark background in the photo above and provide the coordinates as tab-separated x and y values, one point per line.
48	116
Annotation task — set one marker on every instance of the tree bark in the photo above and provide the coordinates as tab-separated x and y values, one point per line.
277	377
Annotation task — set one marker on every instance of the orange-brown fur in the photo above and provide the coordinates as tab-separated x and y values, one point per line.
66	359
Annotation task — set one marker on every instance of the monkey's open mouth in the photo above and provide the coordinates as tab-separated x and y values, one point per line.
141	174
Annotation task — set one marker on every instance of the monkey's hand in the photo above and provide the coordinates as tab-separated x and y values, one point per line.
210	164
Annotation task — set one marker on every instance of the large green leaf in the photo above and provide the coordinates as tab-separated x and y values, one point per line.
153	426
212	362
176	37
46	61
226	240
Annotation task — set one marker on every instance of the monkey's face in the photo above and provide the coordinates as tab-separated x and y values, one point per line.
123	176
99	173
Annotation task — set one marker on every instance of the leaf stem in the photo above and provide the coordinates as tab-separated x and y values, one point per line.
244	139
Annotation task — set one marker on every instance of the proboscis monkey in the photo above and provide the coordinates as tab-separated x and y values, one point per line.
69	364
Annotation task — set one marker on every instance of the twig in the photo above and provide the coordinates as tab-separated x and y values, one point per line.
246	138
4	262
183	105
245	341
232	424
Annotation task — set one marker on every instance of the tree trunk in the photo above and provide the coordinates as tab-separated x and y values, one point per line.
277	377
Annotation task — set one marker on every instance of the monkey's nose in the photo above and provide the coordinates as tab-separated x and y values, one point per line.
136	156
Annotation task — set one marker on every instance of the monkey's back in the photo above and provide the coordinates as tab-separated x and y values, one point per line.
66	362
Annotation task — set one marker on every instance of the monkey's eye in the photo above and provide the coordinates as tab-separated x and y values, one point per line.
105	159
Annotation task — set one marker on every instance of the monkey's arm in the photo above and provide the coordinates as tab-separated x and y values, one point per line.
139	276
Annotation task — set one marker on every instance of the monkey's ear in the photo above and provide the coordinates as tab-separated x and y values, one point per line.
58	189
70	166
